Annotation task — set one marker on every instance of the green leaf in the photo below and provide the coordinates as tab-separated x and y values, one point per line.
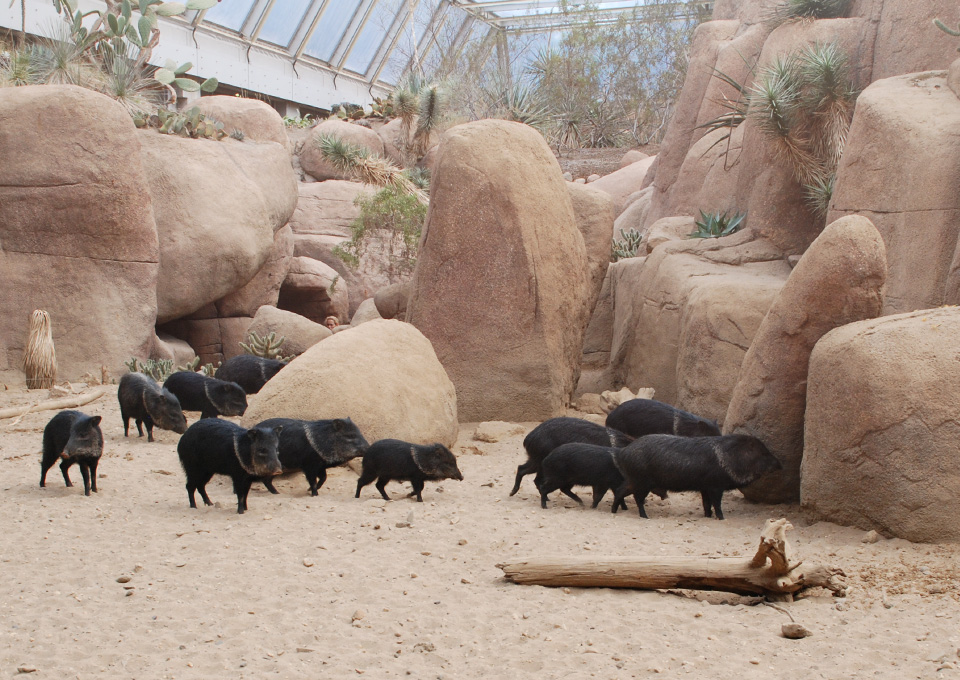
144	25
201	4
209	85
133	36
114	24
143	6
171	9
125	9
186	84
170	65
165	76
183	68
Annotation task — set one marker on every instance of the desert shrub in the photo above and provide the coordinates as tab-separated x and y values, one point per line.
717	224
790	10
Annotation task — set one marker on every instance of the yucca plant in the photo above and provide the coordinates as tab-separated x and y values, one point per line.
367	167
431	112
790	10
818	194
123	80
734	111
717	224
626	245
21	66
420	177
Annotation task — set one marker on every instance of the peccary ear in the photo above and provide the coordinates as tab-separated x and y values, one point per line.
278	429
95	421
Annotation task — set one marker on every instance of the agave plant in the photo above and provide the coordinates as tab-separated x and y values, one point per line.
21	66
717	224
790	10
365	166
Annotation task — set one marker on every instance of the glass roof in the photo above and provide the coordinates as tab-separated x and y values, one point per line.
377	40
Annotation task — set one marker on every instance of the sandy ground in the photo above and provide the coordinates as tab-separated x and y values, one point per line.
333	587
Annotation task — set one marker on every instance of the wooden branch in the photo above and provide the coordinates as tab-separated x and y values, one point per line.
768	573
64	402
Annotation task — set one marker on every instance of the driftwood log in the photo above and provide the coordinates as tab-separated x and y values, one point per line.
773	572
64	402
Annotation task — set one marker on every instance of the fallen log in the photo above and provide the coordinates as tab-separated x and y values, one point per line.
772	572
71	401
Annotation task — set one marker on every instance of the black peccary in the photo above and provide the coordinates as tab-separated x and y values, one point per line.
248	371
210	396
218	447
149	404
550	434
74	437
315	445
394	459
639	417
578	464
710	465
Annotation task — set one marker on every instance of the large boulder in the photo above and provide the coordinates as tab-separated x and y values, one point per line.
918	222
594	376
299	332
77	231
312	161
907	40
594	214
632	156
651	297
501	285
218	206
391	301
328	207
709	174
623	182
212	337
839	280
314	290
264	287
367	311
257	120
383	374
880	442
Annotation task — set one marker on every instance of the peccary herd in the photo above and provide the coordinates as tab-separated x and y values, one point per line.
645	446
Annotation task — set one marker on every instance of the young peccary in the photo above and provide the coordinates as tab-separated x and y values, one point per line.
147	403
248	371
571	465
218	447
210	396
639	417
393	459
315	445
710	465
73	437
550	434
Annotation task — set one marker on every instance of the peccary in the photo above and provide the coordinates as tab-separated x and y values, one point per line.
315	445
393	459
577	464
639	417
74	437
218	447
248	371
210	396
550	434
147	403
710	465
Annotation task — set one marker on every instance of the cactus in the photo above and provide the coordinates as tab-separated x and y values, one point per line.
188	123
158	369
627	245
237	135
190	365
209	369
946	29
268	347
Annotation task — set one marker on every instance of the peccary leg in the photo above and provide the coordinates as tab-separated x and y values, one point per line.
705	498
44	466
716	496
149	423
569	492
417	489
93	475
365	479
139	426
85	473
598	493
522	470
618	495
320	480
242	487
126	424
381	483
64	466
267	482
640	498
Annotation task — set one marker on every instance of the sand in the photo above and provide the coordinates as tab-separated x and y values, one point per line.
335	587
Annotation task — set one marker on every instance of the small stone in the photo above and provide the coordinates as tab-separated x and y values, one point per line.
870	537
566	591
358	615
123	579
137	569
936	590
755	662
463	580
307	562
129	593
304	650
26	669
462	541
794	631
593	178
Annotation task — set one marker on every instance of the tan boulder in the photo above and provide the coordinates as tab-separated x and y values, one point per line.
77	231
747	11
880	441
213	338
621	183
257	120
314	290
593	211
666	230
312	161
651	294
328	208
709	175
383	374
632	156
907	40
839	280
390	136
217	207
501	285
367	311
594	376
953	77
173	349
634	216
919	222
264	287
301	333
391	301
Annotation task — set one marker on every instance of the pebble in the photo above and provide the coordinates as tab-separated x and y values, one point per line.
870	537
307	562
794	631
358	615
26	669
123	579
463	580
462	541
755	662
